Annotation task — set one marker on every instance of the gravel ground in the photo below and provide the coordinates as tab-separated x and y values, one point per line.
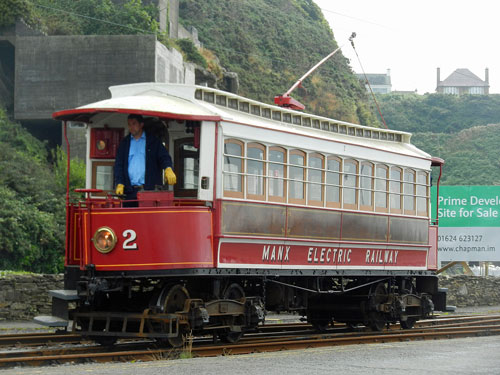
458	356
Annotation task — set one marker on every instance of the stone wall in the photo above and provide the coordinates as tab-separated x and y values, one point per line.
24	296
471	290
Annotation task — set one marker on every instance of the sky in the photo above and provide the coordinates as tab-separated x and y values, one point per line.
414	38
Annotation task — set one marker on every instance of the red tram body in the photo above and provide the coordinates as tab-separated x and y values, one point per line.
274	210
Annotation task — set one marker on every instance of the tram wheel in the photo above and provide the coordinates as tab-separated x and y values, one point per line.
172	301
234	292
320	325
377	319
408	323
319	319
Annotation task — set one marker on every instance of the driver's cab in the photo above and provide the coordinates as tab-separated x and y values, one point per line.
182	138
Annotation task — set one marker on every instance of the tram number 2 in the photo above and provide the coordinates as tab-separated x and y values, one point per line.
130	237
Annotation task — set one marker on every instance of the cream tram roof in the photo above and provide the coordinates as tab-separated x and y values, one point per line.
189	102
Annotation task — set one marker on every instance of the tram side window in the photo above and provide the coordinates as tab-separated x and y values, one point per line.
381	203
422	194
276	173
296	187
409	192
350	182
333	182
315	179
395	190
233	168
366	186
256	154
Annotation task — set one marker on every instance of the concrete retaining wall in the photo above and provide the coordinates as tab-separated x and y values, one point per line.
61	72
24	296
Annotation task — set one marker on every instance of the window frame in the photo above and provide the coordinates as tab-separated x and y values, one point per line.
426	192
275	198
399	193
409	195
230	193
304	176
350	206
321	183
328	203
264	171
95	165
385	192
370	189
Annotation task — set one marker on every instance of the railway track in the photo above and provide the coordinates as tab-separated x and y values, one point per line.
20	350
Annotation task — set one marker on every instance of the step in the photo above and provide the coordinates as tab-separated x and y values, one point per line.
51	321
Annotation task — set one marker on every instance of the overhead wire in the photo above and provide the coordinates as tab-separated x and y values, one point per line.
368	83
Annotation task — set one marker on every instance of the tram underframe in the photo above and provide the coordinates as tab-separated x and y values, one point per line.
169	309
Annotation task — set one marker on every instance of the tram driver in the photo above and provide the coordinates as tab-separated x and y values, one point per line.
140	160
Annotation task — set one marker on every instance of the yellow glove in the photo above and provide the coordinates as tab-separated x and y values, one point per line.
119	189
170	176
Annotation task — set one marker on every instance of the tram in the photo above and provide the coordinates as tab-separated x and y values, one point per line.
273	210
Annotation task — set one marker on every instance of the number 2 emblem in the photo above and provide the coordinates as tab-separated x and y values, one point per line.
130	237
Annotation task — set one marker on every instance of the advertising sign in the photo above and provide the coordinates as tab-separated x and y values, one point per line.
469	223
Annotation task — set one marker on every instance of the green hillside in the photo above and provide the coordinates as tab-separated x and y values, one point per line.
271	44
455	128
471	156
439	113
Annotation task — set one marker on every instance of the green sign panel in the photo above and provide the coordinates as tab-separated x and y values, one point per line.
469	222
468	206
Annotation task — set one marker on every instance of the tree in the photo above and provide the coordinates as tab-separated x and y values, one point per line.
32	201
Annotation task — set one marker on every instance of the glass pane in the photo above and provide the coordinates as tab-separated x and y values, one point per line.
255	171
297	174
315	176
276	172
104	177
395	189
409	191
366	184
232	167
190	173
349	182
333	178
421	192
381	186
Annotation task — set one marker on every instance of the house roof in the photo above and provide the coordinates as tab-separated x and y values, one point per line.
463	77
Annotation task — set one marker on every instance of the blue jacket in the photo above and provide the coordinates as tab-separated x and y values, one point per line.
157	159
